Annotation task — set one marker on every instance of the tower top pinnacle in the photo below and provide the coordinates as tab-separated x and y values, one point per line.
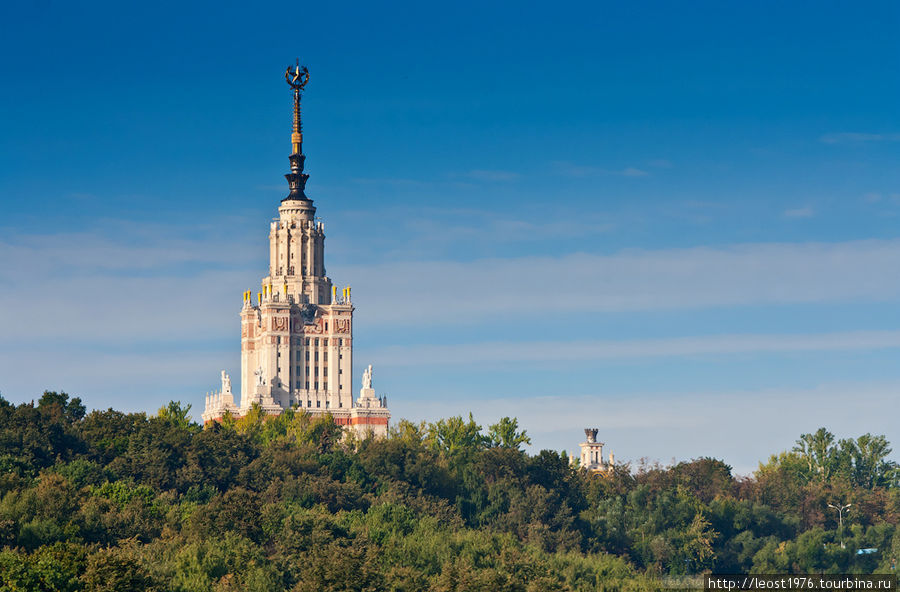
297	76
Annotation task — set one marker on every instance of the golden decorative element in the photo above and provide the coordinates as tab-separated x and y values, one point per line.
297	77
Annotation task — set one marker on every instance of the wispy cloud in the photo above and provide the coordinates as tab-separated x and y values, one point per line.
492	175
887	199
489	227
93	286
661	163
393	181
454	179
107	378
804	212
857	138
668	279
544	352
84	287
569	169
428	233
150	285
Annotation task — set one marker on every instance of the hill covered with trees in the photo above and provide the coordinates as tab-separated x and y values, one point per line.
117	501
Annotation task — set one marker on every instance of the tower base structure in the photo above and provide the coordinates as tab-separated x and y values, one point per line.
369	417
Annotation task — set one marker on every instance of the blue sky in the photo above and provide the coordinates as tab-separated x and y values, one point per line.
676	223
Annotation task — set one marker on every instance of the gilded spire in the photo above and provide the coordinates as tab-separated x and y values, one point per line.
297	134
297	76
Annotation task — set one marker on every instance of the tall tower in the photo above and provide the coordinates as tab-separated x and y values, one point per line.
297	340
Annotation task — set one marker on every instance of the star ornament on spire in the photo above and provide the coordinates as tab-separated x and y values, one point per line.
297	76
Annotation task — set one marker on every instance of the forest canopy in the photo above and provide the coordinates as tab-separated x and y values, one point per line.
129	501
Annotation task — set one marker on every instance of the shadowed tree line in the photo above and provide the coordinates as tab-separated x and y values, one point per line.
126	501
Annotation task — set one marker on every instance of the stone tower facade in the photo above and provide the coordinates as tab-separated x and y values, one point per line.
297	338
592	453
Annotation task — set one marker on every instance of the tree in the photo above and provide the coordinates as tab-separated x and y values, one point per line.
410	433
72	410
705	477
114	501
324	433
868	457
58	566
818	451
455	436
176	414
863	461
505	434
697	542
114	570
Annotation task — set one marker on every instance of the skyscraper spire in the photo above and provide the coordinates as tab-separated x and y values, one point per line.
297	76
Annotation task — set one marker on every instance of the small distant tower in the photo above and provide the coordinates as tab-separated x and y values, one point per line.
592	453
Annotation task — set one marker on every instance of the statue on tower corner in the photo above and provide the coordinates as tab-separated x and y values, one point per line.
367	398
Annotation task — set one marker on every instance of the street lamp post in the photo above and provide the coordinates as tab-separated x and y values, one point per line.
840	510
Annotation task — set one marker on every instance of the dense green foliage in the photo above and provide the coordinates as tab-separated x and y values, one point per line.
116	501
